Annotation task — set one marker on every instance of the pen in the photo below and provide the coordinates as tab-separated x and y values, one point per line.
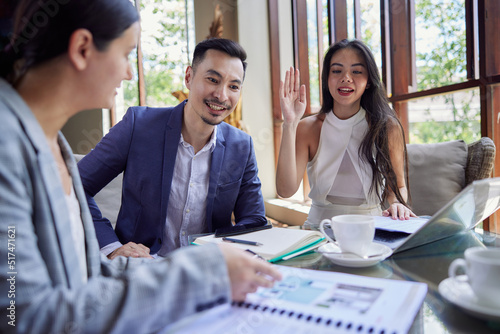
239	241
255	254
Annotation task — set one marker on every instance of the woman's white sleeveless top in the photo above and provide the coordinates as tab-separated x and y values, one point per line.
340	180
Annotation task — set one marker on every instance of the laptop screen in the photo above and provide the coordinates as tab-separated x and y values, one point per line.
470	207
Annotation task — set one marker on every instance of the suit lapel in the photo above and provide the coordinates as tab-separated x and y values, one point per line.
215	170
60	216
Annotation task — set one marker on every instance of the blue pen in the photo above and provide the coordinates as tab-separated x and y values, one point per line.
239	241
255	255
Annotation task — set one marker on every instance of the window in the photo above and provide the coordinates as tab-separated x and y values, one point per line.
439	60
445	117
167	41
440	43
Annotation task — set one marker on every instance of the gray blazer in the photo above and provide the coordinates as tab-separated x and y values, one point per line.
41	288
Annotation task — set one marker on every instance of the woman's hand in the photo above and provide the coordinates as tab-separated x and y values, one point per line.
292	97
398	211
246	273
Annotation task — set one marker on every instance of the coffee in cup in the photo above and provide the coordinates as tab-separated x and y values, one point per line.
482	269
353	233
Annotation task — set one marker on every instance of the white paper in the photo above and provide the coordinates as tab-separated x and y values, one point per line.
407	226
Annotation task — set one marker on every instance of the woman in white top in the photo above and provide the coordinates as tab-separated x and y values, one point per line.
354	148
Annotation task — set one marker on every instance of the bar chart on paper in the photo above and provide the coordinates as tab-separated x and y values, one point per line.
309	301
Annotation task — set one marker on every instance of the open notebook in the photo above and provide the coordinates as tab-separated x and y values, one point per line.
471	206
276	243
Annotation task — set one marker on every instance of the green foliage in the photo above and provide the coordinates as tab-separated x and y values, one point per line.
435	132
441	24
441	61
465	123
165	52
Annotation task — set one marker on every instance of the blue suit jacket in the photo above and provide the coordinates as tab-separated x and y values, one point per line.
144	146
125	295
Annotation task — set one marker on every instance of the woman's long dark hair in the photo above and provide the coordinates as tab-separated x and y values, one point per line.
381	119
42	29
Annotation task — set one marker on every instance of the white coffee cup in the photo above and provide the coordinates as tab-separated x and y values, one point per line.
353	233
482	267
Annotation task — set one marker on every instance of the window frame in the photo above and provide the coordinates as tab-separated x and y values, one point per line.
398	28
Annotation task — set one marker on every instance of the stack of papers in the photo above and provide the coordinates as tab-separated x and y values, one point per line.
396	225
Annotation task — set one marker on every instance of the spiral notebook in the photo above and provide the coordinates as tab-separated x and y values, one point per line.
311	301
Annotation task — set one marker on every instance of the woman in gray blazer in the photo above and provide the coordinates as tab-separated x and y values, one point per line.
65	56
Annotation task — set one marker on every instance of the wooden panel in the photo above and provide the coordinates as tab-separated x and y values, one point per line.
470	36
492	37
331	22
357	19
400	57
274	41
337	19
140	67
401	109
412	77
301	46
321	47
490	109
386	49
400	50
275	73
436	91
494	221
340	20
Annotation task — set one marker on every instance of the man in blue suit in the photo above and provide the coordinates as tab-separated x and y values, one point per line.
185	170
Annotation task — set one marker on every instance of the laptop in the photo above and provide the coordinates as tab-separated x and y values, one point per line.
471	206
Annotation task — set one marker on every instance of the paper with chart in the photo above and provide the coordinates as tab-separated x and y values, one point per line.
310	301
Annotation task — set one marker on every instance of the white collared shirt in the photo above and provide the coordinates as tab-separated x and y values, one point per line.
187	203
188	197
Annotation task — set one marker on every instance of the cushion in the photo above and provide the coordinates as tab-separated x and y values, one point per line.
436	174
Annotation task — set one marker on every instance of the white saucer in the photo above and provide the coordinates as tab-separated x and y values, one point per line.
460	293
352	260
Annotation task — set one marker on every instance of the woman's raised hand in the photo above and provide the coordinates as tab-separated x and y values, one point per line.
292	97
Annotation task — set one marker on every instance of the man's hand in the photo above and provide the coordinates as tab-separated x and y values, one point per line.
131	249
246	273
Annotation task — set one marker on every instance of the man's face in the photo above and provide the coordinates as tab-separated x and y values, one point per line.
214	86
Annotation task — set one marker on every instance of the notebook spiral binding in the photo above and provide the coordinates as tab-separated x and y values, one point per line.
329	322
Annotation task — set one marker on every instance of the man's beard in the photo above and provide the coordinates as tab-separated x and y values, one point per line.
209	122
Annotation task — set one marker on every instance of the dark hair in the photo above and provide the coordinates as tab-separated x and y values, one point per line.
42	29
227	46
380	116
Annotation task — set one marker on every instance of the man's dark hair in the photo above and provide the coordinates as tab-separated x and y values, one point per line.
227	46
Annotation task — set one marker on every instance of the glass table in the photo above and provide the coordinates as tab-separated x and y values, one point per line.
428	264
